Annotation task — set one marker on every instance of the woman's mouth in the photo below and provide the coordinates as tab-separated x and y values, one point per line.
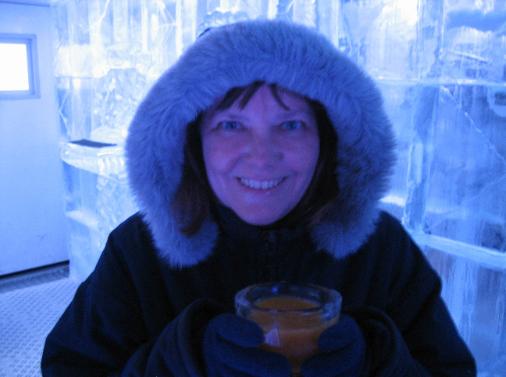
260	184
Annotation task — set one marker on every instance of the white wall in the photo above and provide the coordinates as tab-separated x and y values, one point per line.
32	223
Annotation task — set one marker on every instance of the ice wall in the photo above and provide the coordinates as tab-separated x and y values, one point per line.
441	65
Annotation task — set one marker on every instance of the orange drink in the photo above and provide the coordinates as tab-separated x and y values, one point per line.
292	317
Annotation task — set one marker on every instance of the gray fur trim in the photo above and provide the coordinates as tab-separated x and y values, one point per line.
296	58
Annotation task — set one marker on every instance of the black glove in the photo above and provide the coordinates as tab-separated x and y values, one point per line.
342	351
231	350
177	350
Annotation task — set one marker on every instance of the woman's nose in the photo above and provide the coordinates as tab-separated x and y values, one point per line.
265	149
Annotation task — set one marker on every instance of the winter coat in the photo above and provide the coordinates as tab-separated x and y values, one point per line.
144	308
136	316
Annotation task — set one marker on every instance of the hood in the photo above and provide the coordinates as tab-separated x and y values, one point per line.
296	58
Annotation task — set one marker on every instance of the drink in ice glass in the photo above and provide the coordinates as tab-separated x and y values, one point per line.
292	316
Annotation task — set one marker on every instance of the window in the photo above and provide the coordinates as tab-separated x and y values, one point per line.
18	68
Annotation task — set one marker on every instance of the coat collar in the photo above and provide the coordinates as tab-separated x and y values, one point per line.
242	232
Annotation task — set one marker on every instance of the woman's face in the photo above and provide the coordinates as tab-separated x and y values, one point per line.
260	159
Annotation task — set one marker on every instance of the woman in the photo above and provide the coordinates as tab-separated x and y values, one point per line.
259	156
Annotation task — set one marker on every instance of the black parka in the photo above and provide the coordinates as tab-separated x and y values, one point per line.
135	316
144	308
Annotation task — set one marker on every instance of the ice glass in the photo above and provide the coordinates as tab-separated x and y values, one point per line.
292	316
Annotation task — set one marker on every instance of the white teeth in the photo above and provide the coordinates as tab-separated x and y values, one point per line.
260	185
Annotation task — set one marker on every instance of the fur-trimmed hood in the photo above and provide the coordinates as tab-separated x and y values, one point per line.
296	58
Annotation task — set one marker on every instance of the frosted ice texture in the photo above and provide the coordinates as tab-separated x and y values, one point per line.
441	65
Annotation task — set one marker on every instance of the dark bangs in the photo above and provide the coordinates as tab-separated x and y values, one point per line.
243	95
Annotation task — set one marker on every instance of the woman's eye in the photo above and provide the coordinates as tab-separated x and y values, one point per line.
292	125
229	125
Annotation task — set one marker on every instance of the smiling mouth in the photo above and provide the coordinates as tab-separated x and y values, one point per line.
260	185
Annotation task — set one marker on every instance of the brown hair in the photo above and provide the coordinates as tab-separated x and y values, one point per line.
194	196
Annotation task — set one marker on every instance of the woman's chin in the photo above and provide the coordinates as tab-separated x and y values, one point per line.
259	219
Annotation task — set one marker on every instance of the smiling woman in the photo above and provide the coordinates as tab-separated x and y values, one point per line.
262	166
260	156
232	119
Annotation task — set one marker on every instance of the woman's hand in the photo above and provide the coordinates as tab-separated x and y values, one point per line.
342	351
231	349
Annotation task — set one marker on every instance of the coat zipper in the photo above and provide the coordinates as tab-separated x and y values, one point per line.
268	271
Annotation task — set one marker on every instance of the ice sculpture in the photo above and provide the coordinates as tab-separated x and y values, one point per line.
441	65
